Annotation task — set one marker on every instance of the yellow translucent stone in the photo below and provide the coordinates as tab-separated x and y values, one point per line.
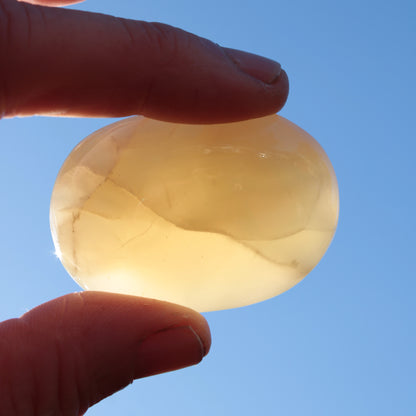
208	216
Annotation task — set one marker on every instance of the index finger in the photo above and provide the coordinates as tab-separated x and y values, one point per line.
68	62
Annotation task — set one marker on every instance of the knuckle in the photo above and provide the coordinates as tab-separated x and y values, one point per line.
5	17
168	41
15	34
8	369
39	373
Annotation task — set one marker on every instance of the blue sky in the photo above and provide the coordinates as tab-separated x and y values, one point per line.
342	342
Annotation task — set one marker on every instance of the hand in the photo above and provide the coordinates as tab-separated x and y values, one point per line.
66	355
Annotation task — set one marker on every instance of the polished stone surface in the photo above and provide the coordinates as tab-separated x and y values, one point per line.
211	216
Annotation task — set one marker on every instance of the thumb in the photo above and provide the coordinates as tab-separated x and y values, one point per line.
72	352
68	62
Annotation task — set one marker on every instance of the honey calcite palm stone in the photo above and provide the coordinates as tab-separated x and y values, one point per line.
208	216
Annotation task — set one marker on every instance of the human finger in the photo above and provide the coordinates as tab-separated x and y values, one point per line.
68	62
54	3
72	352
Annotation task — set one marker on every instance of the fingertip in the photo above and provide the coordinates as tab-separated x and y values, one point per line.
168	350
201	327
281	89
261	68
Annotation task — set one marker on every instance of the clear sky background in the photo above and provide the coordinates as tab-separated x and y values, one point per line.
343	341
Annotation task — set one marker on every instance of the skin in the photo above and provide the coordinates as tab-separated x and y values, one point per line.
67	354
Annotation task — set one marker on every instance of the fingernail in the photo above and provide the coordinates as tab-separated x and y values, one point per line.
168	350
261	68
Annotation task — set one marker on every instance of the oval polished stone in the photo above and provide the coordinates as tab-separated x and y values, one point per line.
208	216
